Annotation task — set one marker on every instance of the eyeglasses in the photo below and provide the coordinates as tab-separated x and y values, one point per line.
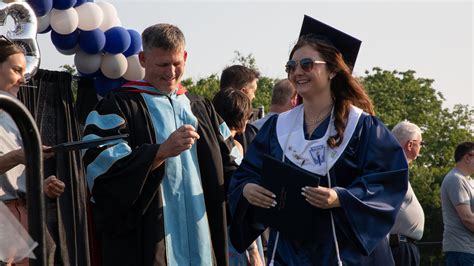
3	37
306	64
422	143
250	116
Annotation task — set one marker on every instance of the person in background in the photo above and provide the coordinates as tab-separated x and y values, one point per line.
457	204
245	79
410	220
158	196
283	99
12	155
335	134
236	110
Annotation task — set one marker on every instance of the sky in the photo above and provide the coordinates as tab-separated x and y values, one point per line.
433	38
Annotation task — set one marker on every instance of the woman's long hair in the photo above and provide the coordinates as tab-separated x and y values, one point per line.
345	89
8	48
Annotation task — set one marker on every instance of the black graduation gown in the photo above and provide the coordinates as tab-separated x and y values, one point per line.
128	209
247	137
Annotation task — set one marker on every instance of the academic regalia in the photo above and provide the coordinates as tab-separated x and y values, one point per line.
247	136
135	208
368	171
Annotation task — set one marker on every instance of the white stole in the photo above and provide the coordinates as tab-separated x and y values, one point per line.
312	155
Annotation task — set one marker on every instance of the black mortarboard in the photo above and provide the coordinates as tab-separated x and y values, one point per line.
292	215
346	44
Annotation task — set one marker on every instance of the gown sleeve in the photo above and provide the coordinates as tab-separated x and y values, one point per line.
119	175
243	230
371	193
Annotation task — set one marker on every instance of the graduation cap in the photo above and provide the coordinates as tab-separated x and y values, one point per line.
347	45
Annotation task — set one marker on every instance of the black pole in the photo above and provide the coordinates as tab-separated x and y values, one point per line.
34	173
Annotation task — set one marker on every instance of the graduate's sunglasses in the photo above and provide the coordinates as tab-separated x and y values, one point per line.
306	64
3	37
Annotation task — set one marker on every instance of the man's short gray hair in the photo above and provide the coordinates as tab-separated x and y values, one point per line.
164	36
406	131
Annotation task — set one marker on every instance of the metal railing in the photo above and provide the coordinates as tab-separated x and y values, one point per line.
34	173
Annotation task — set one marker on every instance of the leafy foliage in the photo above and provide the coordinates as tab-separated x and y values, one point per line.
399	96
73	71
206	87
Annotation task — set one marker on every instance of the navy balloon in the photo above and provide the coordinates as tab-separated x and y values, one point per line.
92	41
117	40
41	7
80	2
65	42
63	4
103	85
46	30
135	44
98	73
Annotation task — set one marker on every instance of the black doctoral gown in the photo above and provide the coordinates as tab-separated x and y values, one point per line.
128	209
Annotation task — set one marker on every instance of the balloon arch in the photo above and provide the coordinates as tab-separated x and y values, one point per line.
93	33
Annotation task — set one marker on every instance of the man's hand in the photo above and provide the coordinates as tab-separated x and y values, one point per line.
53	187
180	140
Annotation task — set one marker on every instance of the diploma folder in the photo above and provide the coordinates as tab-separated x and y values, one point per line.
293	215
84	144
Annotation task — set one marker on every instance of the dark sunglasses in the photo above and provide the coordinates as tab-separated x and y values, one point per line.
3	37
306	64
250	116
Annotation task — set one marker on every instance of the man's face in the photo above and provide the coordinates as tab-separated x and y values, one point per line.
250	89
163	69
470	162
413	148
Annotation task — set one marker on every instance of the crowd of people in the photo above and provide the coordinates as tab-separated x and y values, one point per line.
186	186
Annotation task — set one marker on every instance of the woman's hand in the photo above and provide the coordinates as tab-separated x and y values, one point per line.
53	187
254	257
259	196
321	197
47	153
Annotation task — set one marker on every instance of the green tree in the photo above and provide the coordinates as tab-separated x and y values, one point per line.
245	60
399	96
208	87
73	71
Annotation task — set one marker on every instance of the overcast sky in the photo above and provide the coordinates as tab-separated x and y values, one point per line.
433	38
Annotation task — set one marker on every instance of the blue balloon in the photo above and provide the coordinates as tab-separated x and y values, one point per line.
80	2
48	29
92	75
135	44
63	4
103	85
65	42
92	41
117	40
41	7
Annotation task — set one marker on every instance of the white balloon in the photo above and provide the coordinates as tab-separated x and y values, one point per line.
134	70
90	16
87	63
68	52
43	22
110	16
108	8
113	65
64	21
